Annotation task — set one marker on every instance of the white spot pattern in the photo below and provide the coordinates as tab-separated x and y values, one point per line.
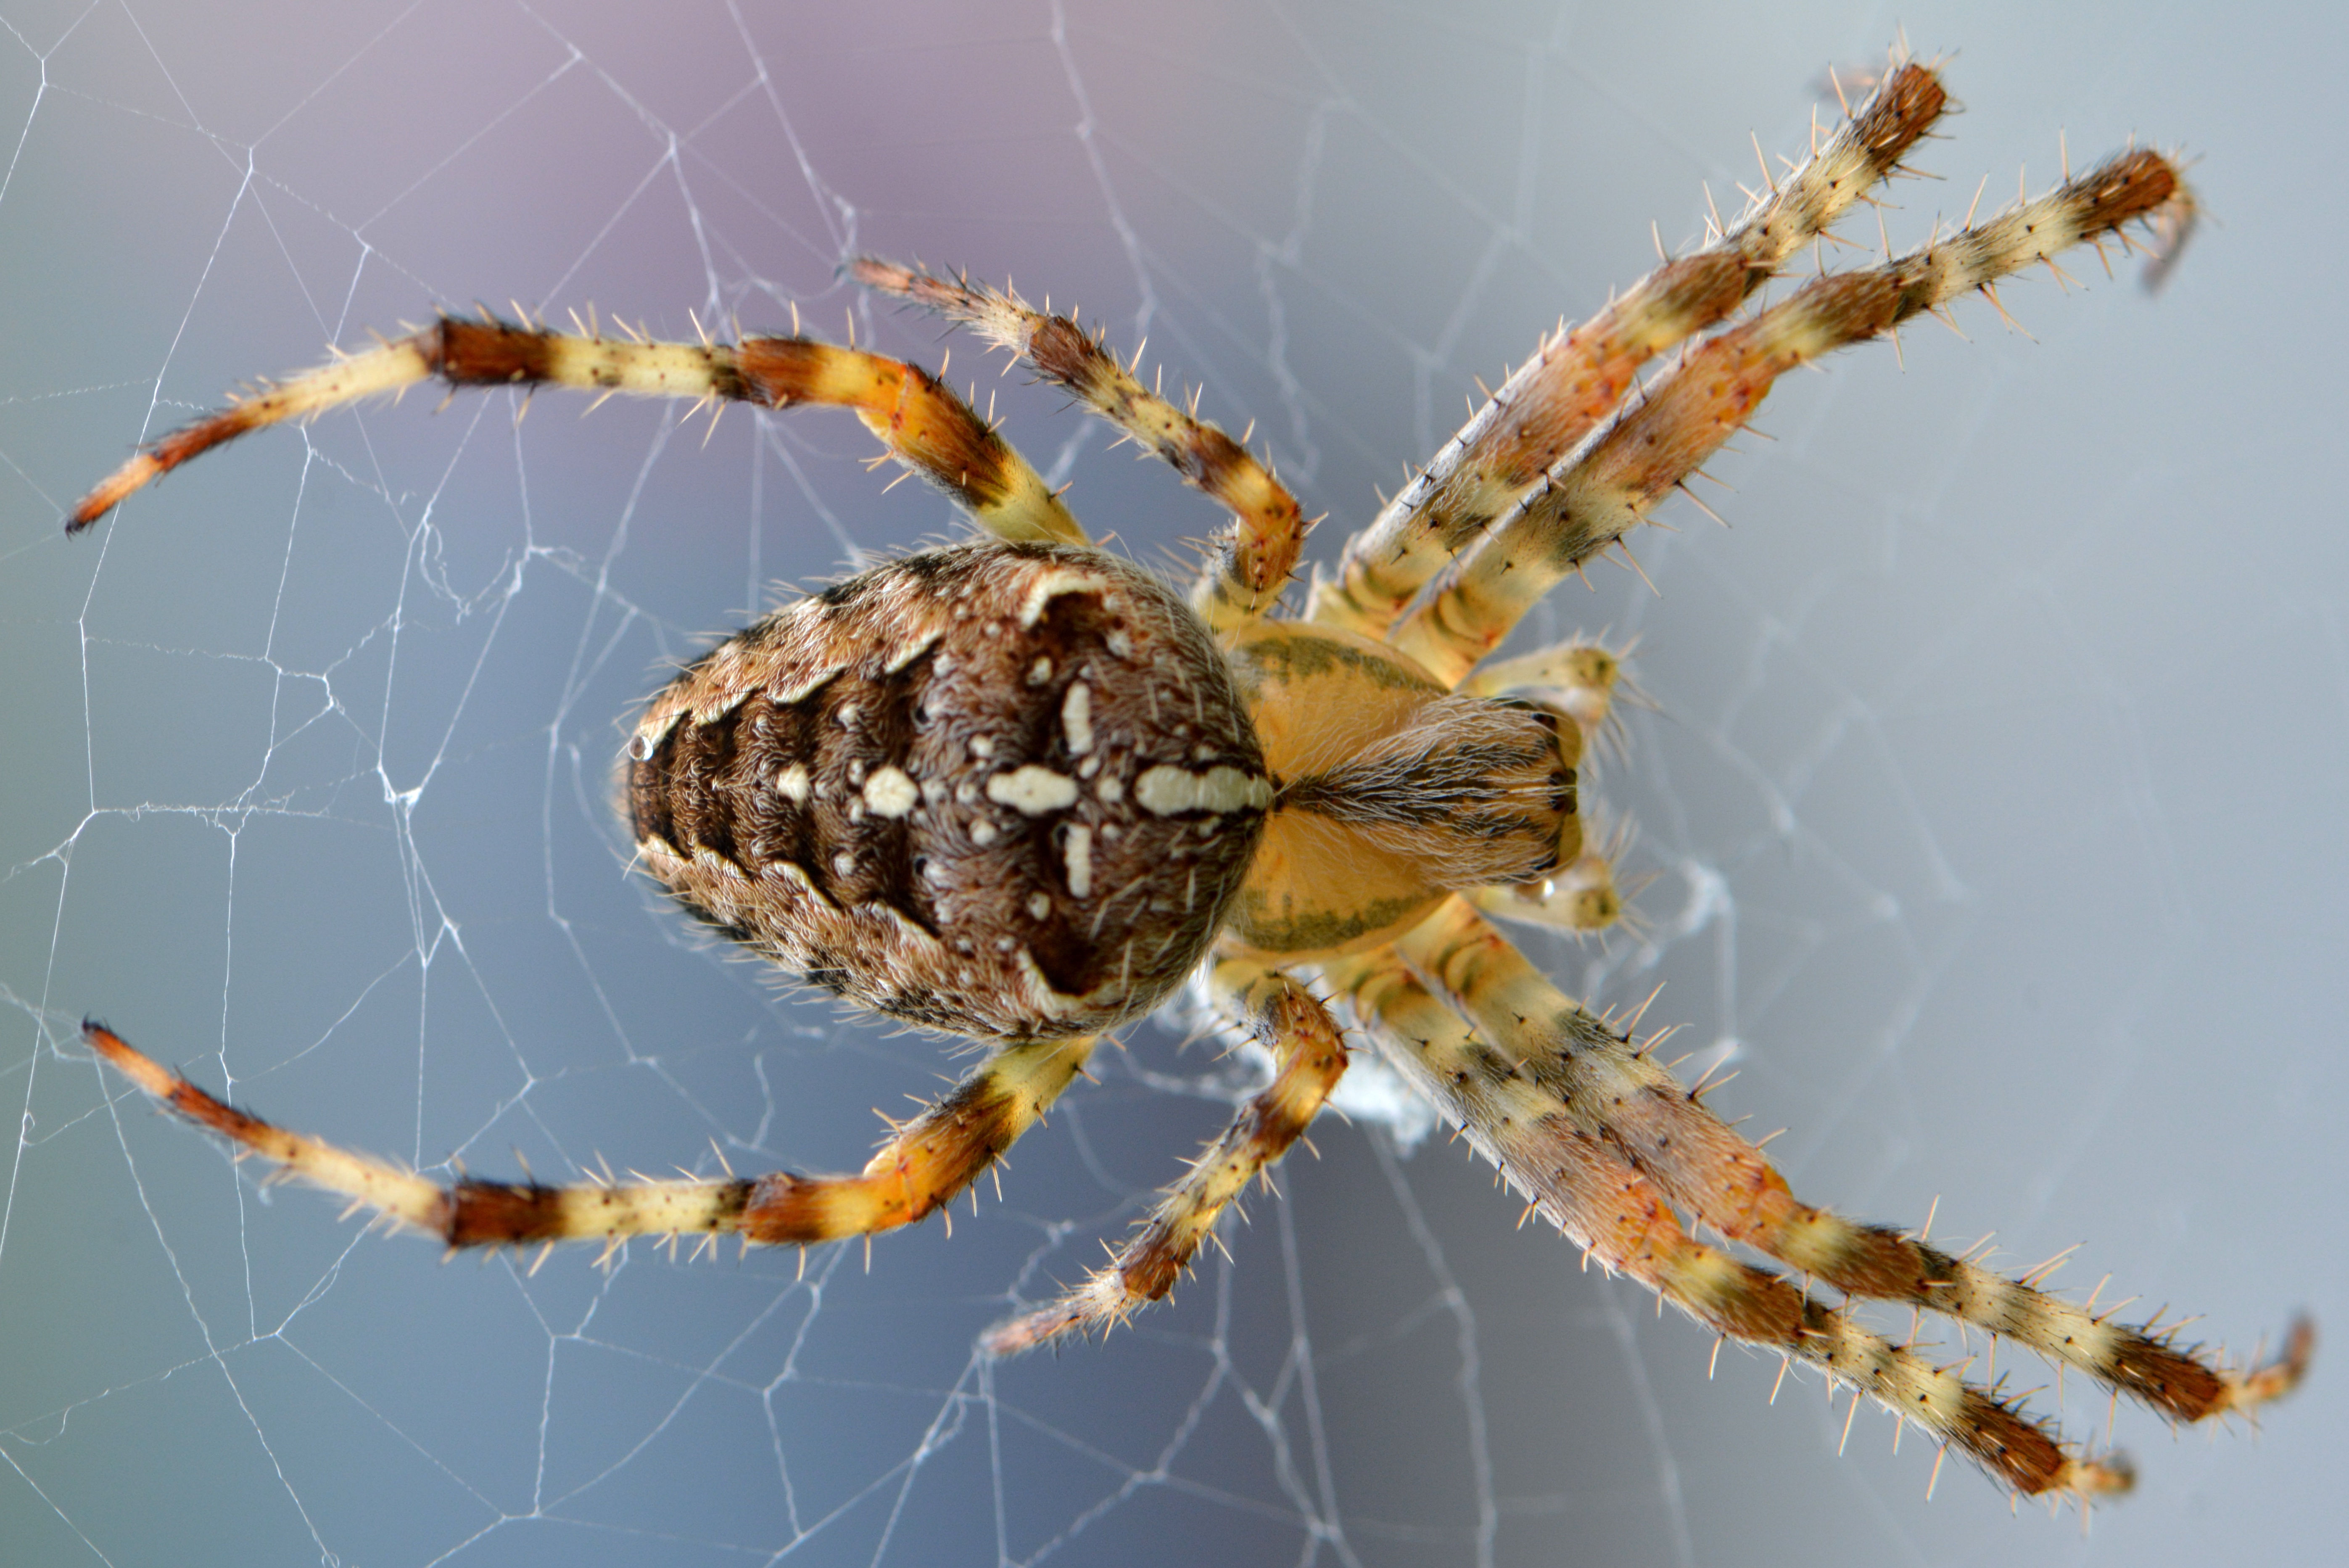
1167	790
1032	790
891	792
1077	718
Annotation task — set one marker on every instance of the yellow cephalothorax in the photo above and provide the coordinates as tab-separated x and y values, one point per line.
1393	791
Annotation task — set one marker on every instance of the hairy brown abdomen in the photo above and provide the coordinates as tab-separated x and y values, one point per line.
1002	790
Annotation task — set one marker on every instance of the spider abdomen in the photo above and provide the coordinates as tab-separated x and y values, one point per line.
1003	790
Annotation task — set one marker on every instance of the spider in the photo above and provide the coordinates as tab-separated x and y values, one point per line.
1017	790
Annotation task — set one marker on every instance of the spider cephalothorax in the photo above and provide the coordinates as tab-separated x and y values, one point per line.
1018	790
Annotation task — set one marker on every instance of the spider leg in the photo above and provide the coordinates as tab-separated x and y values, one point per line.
1249	564
1590	498
1617	1093
1305	1041
929	1162
924	426
1577	677
1584	1184
1576	377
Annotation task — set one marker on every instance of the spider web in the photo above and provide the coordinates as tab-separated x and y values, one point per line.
1989	807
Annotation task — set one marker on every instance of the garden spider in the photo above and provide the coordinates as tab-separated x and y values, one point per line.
1018	790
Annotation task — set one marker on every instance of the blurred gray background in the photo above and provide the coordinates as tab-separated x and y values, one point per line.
1990	809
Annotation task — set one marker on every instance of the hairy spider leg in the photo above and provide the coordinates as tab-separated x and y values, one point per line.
922	423
1582	1182
927	1163
1249	566
1577	675
1312	1057
1590	498
1578	377
1616	1091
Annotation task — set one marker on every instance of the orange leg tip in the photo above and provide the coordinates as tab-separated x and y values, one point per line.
111	491
2114	1475
2300	1344
2283	1375
892	277
140	1069
1020	1335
